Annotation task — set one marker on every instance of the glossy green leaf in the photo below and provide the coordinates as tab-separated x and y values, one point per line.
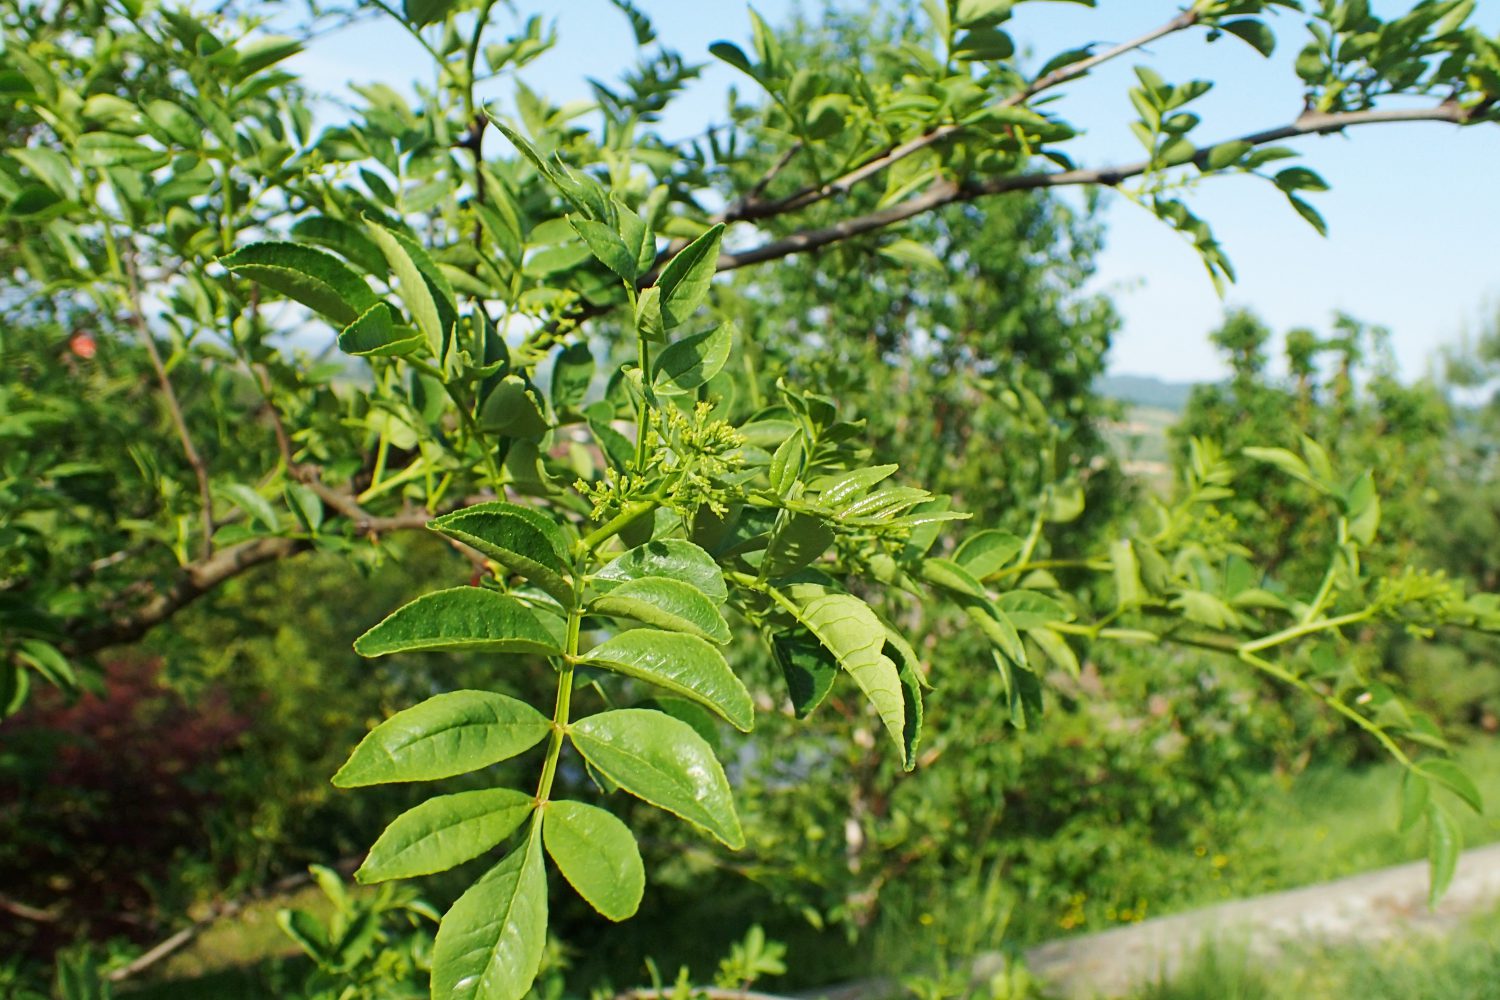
665	603
416	296
809	669
252	503
489	945
512	409
663	761
999	629
674	558
608	247
598	856
344	238
1057	649
684	281
849	630
951	576
462	619
307	275
683	664
506	533
1030	609
987	552
376	334
445	831
797	541
572	371
451	733
691	361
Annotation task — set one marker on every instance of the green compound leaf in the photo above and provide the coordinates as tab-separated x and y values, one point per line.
683	664
445	831
663	761
509	534
674	558
447	734
316	279
489	945
462	619
684	281
598	856
849	630
665	603
690	362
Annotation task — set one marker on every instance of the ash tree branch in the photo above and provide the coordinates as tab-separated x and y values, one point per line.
752	207
947	192
194	580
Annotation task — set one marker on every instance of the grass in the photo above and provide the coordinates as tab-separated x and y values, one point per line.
1331	822
1463	966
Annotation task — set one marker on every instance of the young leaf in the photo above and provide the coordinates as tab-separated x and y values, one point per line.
443	832
462	619
849	630
665	603
415	293
448	734
1455	779
513	410
376	334
607	245
489	945
506	533
572	372
683	664
1444	843
674	558
663	761
316	279
1028	609
987	552
1257	34
688	363
684	281
598	856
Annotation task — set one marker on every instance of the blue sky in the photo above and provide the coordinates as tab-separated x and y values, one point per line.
1414	213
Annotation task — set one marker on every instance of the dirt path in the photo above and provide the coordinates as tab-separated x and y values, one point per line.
1368	907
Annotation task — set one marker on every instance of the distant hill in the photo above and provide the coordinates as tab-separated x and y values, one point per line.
1146	390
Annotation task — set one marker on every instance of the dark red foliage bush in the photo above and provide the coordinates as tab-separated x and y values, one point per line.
99	796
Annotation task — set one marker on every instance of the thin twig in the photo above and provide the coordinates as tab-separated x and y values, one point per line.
947	192
216	912
754	209
200	471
